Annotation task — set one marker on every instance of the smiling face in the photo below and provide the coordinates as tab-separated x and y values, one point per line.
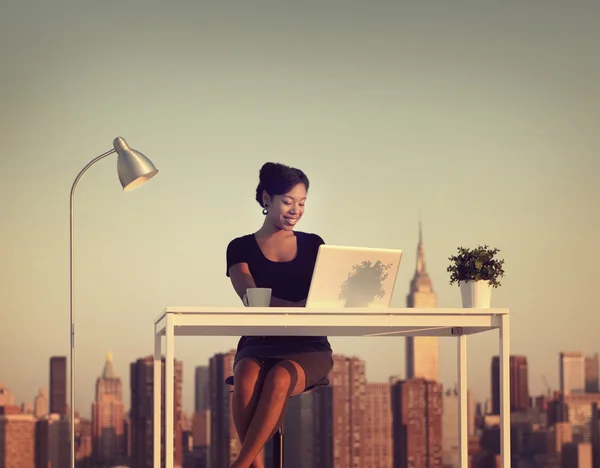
284	211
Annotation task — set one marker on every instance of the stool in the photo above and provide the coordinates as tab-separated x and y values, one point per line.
278	436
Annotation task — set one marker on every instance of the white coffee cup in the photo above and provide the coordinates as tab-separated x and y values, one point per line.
257	297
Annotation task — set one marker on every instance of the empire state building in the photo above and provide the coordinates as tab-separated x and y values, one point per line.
422	352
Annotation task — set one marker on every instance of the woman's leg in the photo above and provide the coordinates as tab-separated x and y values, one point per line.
248	378
284	380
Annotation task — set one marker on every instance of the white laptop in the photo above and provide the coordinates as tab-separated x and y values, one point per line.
353	277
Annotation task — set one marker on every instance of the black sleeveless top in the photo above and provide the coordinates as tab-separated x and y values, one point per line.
288	280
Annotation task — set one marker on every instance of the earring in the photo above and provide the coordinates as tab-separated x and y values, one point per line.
265	211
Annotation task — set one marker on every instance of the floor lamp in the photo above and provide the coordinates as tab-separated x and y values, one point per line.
134	169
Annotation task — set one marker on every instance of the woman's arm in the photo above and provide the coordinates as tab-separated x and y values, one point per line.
241	279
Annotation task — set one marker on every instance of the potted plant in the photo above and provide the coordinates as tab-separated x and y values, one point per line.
476	271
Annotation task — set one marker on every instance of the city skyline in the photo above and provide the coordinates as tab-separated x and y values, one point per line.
520	379
356	421
482	117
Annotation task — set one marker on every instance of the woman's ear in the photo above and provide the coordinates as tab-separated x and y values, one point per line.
266	198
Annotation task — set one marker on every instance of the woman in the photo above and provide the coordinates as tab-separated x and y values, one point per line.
270	369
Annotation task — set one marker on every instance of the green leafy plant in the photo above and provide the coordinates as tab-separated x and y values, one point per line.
477	264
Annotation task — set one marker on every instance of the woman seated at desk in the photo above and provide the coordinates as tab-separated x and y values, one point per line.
270	369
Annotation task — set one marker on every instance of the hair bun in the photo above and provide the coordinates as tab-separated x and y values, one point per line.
269	170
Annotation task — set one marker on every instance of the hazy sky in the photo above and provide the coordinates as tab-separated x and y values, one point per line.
484	116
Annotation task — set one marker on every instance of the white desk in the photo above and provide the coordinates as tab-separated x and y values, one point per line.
238	321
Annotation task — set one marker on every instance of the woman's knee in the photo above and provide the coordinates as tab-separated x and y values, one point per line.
247	376
284	378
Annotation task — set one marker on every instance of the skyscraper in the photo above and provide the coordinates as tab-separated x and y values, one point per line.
40	403
339	412
450	424
422	352
591	374
450	428
519	384
595	435
53	441
201	389
108	412
572	372
299	429
6	396
377	435
225	444
142	413
326	427
201	417
58	385
17	439
417	408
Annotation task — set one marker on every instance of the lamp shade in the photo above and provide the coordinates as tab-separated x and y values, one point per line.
133	167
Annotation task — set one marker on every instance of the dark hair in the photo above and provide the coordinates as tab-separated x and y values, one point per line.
277	179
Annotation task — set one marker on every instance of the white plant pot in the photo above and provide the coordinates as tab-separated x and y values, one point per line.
476	294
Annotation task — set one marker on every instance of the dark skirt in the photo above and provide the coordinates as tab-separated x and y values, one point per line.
312	354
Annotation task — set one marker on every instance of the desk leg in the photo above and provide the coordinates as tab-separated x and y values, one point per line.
504	391
169	390
157	397
463	441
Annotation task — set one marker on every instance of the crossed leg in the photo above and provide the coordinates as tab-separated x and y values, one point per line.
259	403
248	380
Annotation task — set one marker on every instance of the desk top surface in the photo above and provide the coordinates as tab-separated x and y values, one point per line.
233	321
225	310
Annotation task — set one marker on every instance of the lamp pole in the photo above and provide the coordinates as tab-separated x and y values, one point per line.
133	170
